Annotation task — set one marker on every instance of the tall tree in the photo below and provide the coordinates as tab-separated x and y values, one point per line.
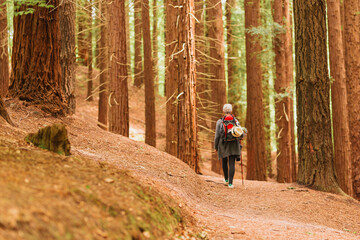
4	54
290	76
171	77
187	142
89	62
150	126
82	30
128	57
67	52
138	62
155	46
103	64
316	161
283	101
36	68
339	98
352	63
230	5
256	165
118	88
201	80
217	67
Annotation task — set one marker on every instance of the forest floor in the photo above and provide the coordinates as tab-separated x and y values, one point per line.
255	210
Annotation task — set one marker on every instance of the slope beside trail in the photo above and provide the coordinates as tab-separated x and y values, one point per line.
256	210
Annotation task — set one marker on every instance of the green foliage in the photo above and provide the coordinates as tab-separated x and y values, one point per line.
23	7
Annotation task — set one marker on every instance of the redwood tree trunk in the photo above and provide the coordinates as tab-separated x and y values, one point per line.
155	47
128	52
316	162
82	23
256	165
171	77
150	126
187	142
352	63
138	62
231	64
202	82
217	67
283	104
339	99
103	64
89	96
67	52
36	68
4	114
118	88
4	54
290	77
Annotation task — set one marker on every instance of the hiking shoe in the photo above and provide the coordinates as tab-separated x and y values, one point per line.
226	182
231	186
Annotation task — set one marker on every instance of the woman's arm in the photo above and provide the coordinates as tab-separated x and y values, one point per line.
217	136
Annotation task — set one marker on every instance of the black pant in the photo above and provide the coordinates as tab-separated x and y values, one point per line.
229	171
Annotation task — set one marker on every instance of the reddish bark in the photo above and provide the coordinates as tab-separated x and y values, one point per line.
352	63
103	64
150	126
339	99
256	165
4	54
171	78
316	166
217	67
283	105
118	88
138	62
36	69
187	141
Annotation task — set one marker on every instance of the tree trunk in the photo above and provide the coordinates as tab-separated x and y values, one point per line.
171	77
316	162
290	78
118	88
217	67
82	22
128	52
4	54
150	126
230	4
155	47
103	64
352	63
339	99
283	101
202	82
138	62
67	52
89	96
36	68
256	165
4	114
187	142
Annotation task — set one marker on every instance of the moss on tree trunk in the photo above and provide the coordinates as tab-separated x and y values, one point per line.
53	138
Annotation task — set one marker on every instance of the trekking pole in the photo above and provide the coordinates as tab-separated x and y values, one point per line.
242	172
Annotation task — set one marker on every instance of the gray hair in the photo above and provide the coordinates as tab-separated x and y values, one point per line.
227	108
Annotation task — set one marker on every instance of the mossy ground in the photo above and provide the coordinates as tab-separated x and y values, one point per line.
47	196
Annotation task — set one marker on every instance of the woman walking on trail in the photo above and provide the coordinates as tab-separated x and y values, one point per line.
227	144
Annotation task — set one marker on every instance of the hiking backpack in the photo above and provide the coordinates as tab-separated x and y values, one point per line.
228	122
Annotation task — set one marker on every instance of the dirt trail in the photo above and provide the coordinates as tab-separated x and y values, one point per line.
257	210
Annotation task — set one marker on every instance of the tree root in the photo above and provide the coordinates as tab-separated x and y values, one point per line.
4	114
